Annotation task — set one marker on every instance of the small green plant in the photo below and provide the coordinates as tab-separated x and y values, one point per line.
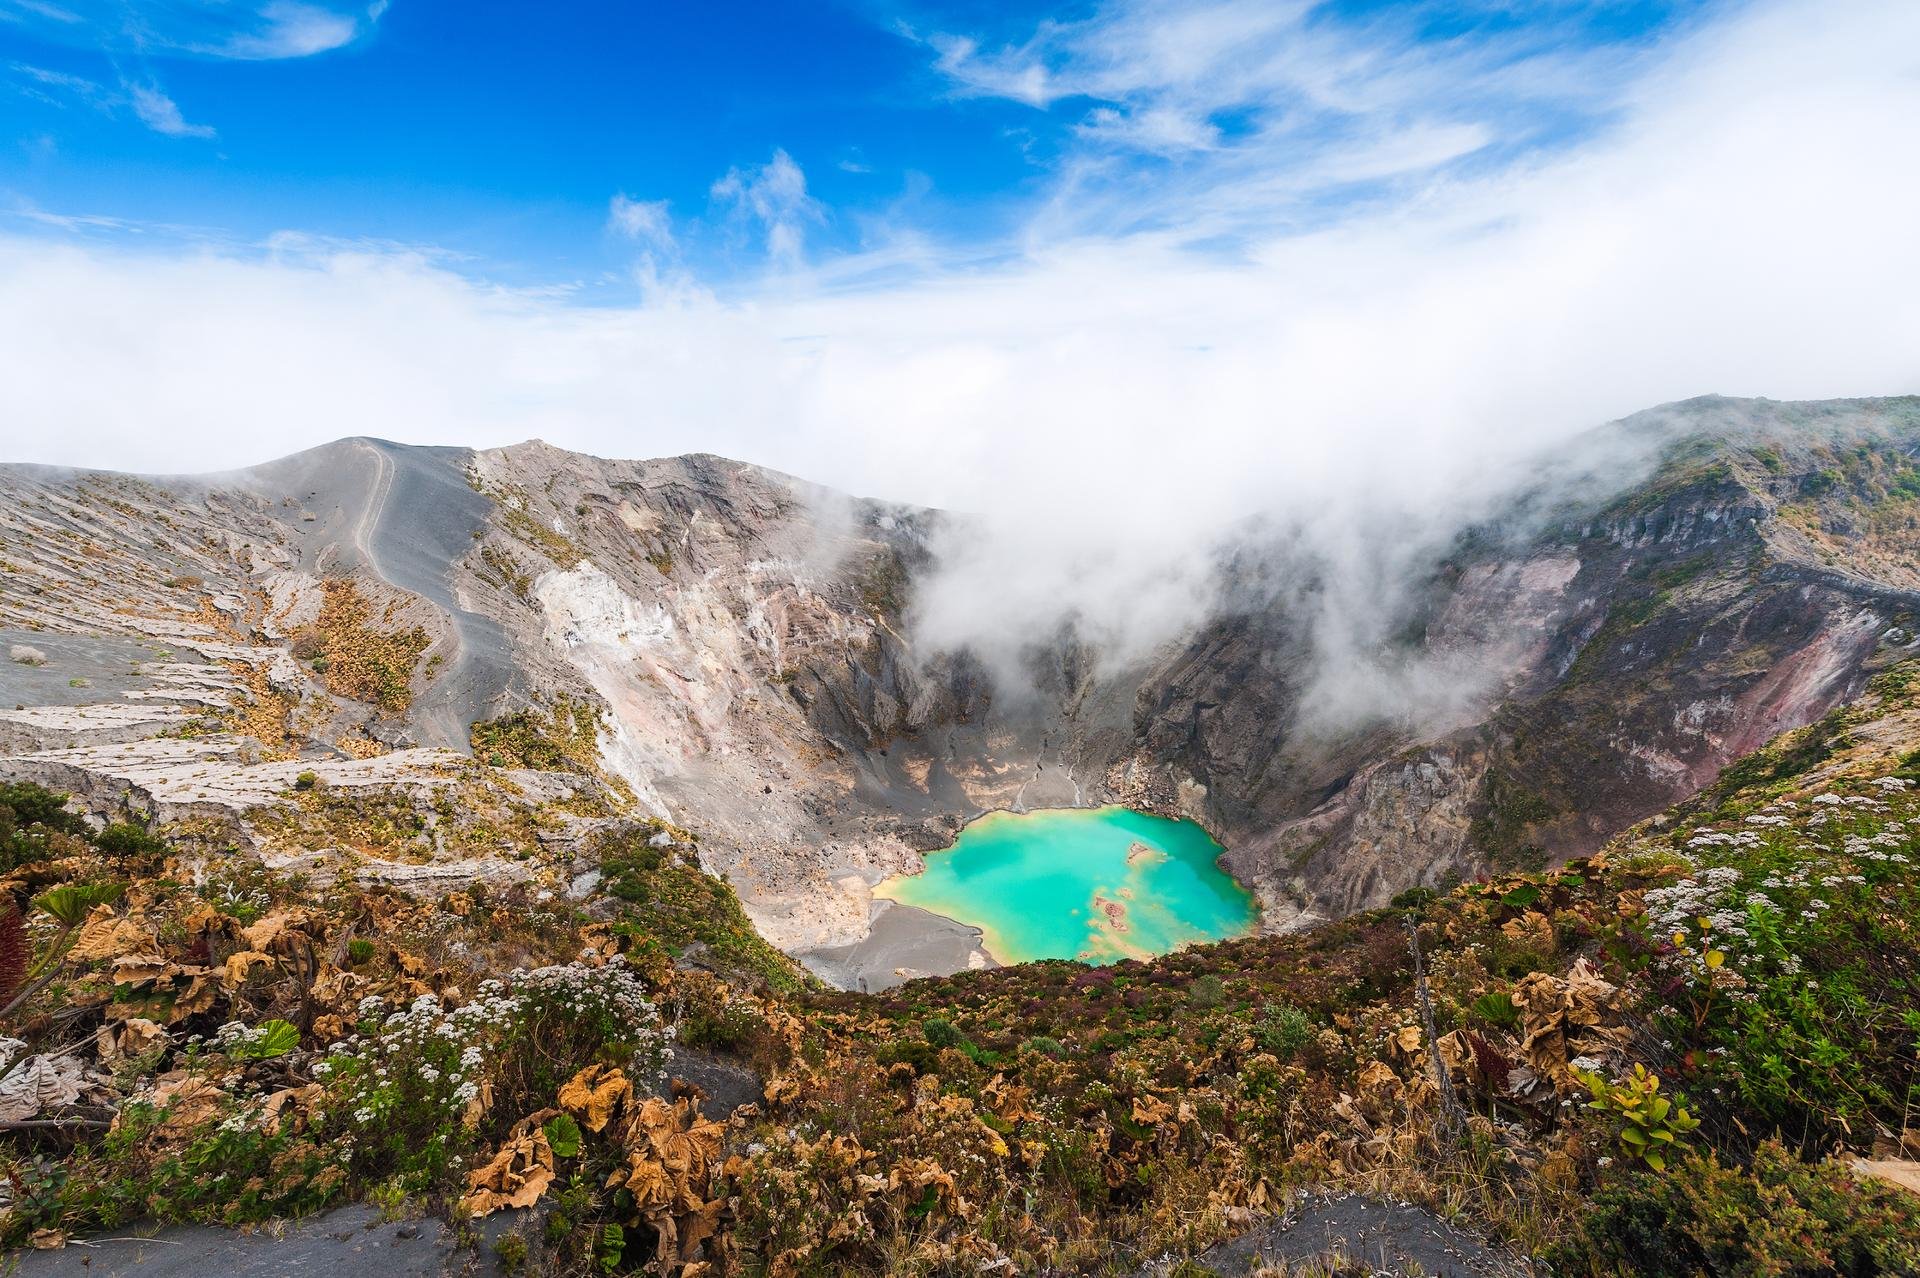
306	781
1496	1008
563	1135
268	1040
360	950
1044	1046
1651	1125
612	1248
1283	1029
1207	991
69	904
511	1249
944	1033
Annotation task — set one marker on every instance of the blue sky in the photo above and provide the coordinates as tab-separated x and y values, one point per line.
500	134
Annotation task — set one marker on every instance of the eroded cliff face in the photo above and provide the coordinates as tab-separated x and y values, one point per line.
733	648
1627	651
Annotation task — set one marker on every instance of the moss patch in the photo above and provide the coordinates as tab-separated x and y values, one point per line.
564	738
357	658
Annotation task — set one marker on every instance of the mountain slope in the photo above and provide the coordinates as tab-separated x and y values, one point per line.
729	648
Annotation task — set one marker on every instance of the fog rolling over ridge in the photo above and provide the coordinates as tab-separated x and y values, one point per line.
1350	558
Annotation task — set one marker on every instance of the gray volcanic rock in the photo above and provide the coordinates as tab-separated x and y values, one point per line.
407	515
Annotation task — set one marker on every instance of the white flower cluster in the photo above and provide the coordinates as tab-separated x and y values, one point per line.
1727	839
1878	848
428	1055
237	1037
1713	895
1863	802
1708	894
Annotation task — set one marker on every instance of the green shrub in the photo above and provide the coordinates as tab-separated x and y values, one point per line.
128	838
1207	991
30	819
1781	1218
1652	1126
944	1033
1283	1029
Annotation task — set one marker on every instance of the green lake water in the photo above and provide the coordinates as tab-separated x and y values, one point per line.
1096	884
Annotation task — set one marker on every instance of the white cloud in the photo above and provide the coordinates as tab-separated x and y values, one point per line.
51	12
40	80
1269	106
290	29
242	29
58	78
775	196
1009	73
1161	130
148	102
649	221
1111	400
161	114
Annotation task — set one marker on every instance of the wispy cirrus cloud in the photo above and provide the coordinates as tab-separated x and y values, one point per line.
291	29
147	102
1269	108
773	195
247	30
57	87
17	10
162	114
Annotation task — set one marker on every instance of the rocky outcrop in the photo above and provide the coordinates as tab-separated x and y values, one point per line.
1618	656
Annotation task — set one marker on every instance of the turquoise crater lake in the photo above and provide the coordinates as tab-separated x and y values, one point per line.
1095	884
